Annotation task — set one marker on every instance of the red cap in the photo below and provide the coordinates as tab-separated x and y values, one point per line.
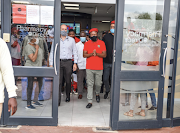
113	22
93	29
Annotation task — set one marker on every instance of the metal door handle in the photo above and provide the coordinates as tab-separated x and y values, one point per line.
55	69
164	57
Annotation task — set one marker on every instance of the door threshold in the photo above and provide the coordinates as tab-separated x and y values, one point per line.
103	129
10	127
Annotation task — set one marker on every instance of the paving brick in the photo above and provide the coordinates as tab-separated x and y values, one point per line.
47	129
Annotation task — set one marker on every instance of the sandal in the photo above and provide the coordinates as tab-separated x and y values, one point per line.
128	114
141	114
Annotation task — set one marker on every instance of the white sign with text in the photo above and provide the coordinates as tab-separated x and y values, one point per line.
32	16
47	15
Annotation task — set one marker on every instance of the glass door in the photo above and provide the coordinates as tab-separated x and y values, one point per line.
33	28
139	63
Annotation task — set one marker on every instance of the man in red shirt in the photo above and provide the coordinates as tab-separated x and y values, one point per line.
94	51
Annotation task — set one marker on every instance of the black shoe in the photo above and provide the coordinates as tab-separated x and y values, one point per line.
106	95
152	108
67	99
89	105
98	98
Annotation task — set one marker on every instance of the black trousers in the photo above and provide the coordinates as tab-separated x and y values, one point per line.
65	71
30	88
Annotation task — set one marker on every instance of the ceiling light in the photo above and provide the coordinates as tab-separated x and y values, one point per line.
23	2
71	4
72	8
106	21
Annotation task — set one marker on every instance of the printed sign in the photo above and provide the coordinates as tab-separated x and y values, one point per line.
32	14
19	14
47	15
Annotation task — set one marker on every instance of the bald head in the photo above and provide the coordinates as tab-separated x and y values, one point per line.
63	27
82	34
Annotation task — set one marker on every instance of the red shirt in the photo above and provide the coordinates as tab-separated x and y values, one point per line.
94	62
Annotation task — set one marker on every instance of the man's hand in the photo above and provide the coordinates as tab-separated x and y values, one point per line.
74	67
94	52
12	105
51	66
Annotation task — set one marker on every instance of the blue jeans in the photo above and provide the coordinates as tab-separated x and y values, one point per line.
106	75
153	98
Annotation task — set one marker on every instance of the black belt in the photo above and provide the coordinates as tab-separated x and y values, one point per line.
65	59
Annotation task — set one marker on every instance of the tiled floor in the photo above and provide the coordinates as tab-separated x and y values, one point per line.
75	113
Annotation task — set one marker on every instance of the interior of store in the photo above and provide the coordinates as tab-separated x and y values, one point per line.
80	17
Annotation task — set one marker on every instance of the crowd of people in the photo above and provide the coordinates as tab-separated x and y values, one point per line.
85	62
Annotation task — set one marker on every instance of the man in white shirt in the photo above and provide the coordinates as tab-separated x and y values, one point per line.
7	78
67	50
81	64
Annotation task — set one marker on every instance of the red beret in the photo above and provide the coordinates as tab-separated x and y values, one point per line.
93	29
113	22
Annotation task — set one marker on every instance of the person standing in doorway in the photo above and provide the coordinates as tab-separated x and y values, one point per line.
7	79
94	51
107	62
67	50
50	37
81	64
34	57
73	35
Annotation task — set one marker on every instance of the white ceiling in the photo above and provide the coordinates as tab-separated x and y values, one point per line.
90	9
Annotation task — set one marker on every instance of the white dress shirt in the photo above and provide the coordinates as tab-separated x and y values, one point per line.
67	50
6	72
81	60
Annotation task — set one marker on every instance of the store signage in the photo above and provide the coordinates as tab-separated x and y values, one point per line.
19	14
32	14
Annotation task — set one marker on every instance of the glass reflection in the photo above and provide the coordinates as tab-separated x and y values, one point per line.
34	91
131	107
142	35
31	19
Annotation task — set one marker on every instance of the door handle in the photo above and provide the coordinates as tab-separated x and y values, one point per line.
164	57
55	69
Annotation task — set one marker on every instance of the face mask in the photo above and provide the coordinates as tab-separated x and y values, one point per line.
50	27
64	33
94	38
37	41
112	31
83	39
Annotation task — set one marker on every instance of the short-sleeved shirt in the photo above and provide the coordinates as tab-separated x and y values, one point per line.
29	49
94	62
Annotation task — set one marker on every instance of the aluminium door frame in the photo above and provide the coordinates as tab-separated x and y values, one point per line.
175	121
36	72
119	75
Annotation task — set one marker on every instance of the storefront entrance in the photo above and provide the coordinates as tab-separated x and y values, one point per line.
144	71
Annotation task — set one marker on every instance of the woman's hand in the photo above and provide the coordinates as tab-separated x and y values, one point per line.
37	46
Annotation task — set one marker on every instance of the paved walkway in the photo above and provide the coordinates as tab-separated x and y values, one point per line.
31	129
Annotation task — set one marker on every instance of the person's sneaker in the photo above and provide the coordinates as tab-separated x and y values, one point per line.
89	105
152	108
106	95
37	104
30	107
98	98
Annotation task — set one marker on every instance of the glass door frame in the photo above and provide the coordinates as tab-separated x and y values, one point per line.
175	121
36	72
119	75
